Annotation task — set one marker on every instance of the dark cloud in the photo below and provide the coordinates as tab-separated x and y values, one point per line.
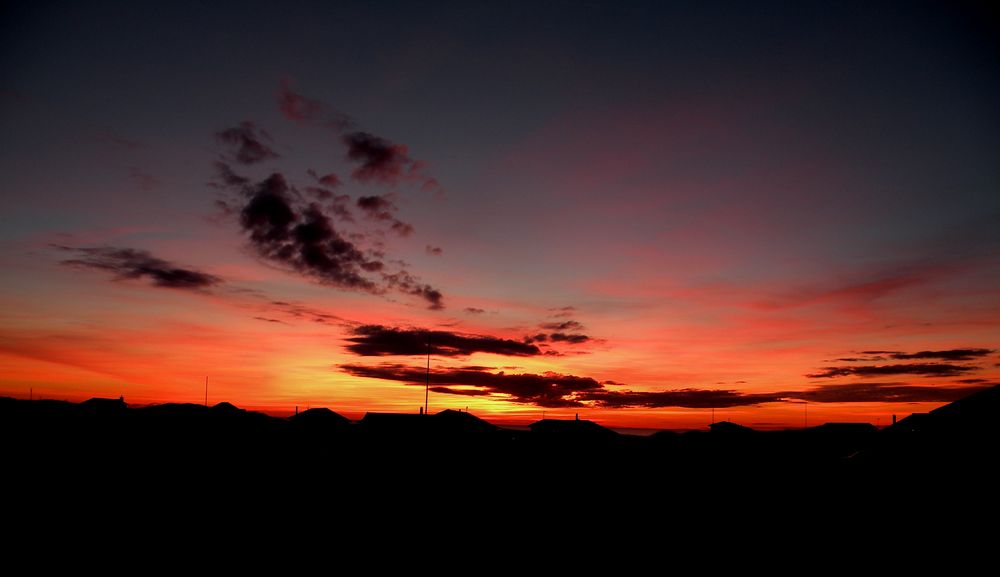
947	355
573	339
303	238
340	207
474	310
380	160
268	320
319	193
972	381
433	250
687	398
563	326
294	227
246	145
128	263
379	340
306	241
227	178
543	390
299	108
377	206
555	390
401	228
559	337
562	312
925	369
454	391
330	180
381	208
883	393
303	312
404	282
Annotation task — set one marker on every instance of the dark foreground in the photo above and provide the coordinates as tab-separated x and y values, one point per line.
187	449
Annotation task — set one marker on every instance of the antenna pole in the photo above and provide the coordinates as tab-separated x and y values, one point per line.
206	390
427	383
805	424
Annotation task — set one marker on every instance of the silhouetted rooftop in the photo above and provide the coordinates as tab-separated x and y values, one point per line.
909	424
104	404
727	427
391	420
846	428
570	427
321	416
226	407
463	421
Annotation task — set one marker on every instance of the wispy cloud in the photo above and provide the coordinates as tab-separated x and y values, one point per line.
246	143
134	264
923	369
884	393
379	340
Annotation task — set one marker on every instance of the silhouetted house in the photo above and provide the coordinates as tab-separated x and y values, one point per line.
571	429
227	408
103	405
729	428
447	422
957	438
392	423
911	424
846	428
461	422
320	418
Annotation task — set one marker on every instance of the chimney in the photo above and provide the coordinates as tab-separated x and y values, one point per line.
894	419
578	416
421	410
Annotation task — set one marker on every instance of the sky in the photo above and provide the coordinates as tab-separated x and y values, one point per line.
649	214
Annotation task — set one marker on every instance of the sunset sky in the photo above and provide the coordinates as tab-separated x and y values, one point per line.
633	211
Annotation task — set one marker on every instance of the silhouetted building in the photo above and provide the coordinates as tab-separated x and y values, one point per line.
571	428
320	417
227	408
392	422
447	422
911	424
461	422
846	428
104	405
729	428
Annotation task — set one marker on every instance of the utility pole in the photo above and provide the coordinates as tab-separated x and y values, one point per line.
206	390
427	383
